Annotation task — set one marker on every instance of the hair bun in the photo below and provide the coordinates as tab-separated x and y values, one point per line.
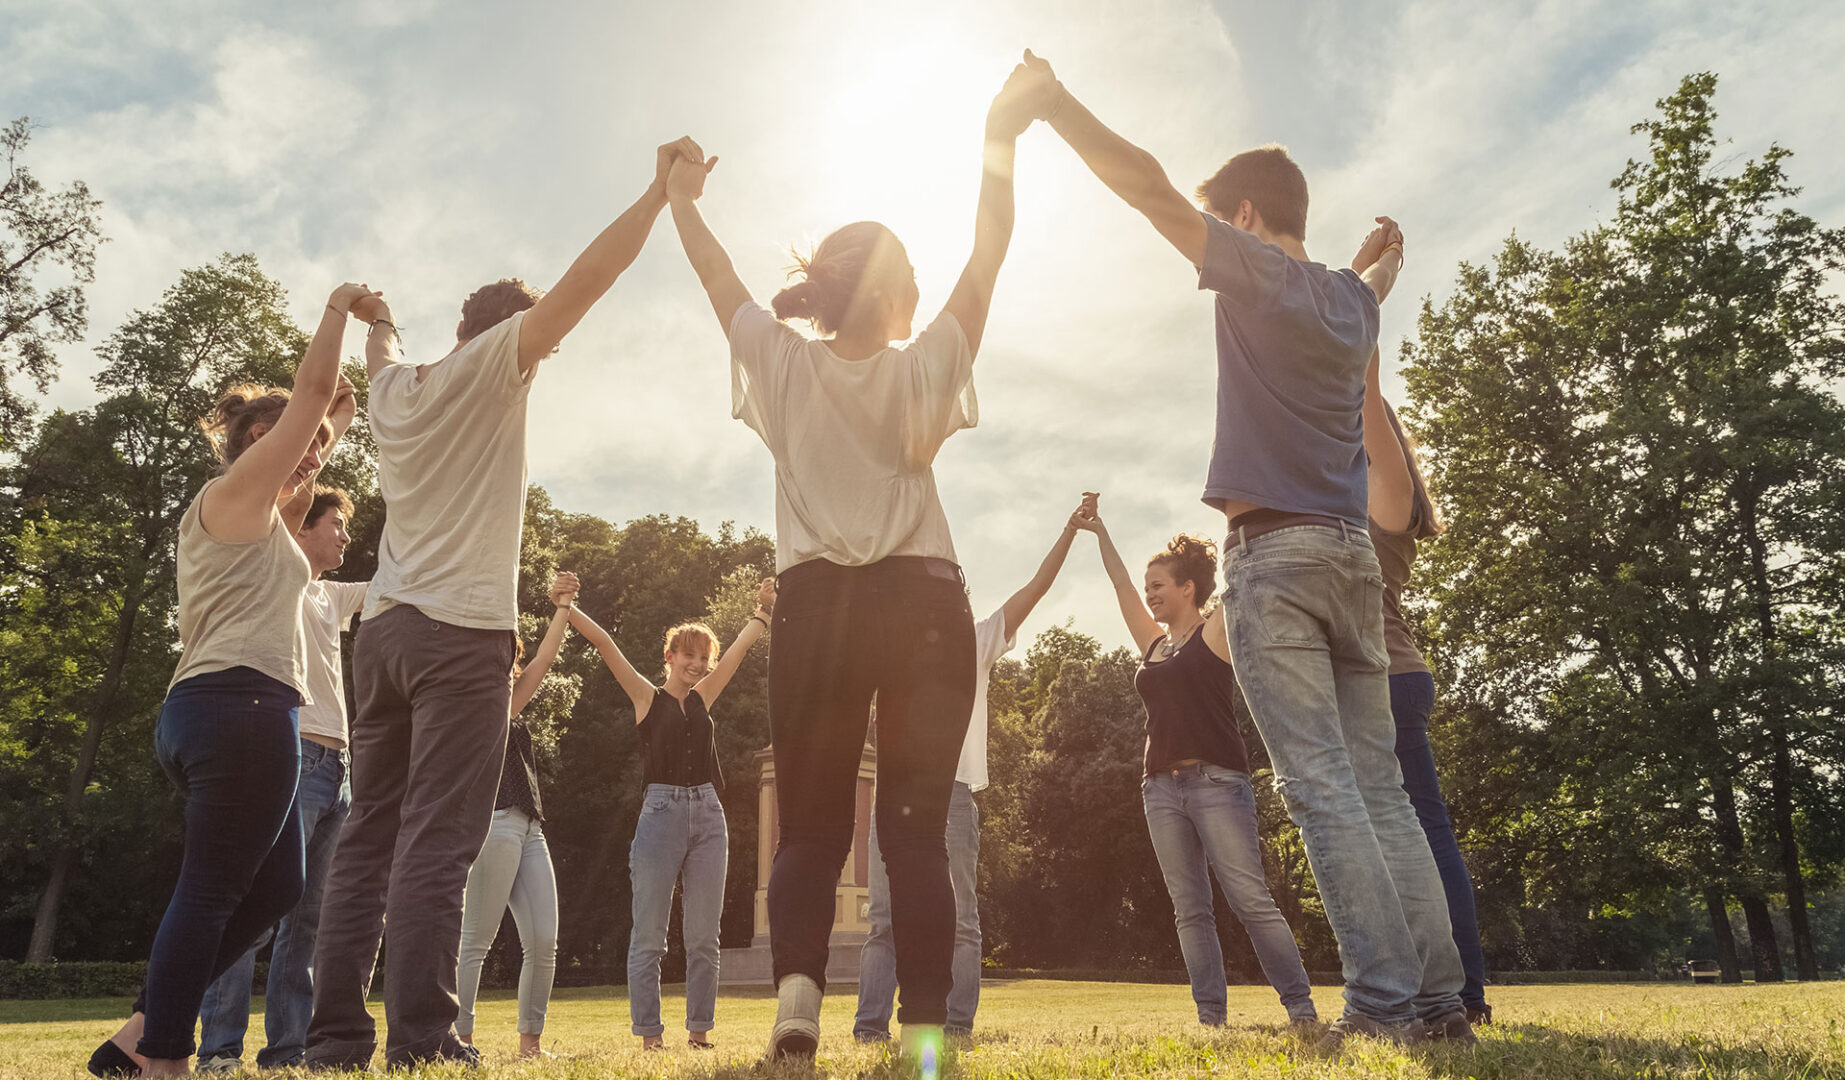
797	301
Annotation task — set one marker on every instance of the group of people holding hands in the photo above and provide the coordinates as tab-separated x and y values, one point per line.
423	812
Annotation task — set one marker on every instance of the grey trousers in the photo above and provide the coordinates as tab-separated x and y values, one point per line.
427	746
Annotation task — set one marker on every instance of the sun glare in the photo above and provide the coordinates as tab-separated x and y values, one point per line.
903	143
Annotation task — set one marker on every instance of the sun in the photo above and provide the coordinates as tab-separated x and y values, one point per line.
899	141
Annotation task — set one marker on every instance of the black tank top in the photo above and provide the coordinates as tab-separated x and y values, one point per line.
681	743
1191	711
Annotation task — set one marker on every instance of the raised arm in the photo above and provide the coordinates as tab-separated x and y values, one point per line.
1007	118
1019	605
719	677
640	691
684	185
241	507
590	276
381	344
1140	622
1392	491
1128	171
1380	258
563	591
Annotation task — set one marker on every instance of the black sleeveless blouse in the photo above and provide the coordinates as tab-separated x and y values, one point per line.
1191	710
681	744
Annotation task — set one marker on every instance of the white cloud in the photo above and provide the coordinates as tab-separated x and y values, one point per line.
428	148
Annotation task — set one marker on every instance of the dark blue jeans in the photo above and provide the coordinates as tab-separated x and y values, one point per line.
323	798
230	741
1412	698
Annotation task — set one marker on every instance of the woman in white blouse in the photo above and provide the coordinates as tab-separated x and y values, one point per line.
872	598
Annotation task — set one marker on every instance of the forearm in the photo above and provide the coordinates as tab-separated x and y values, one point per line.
616	247
553	641
996	211
318	376
1382	274
1127	170
381	346
714	683
702	248
1023	601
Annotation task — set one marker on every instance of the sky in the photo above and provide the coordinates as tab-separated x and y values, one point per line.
426	148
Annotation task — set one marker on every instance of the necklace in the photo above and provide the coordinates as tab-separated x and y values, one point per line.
1170	646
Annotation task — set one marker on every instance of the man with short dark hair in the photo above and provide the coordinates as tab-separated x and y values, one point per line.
433	660
324	796
1304	604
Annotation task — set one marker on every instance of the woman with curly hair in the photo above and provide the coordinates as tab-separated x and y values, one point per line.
1200	804
229	735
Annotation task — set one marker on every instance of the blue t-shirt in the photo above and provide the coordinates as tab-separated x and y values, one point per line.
1293	341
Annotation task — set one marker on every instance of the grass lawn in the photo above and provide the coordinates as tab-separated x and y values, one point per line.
1070	1029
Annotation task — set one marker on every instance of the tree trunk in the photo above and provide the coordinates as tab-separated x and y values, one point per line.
1721	934
1762	945
1806	959
1781	767
64	859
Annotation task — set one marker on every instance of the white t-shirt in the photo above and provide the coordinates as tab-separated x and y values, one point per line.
853	440
451	468
990	643
328	608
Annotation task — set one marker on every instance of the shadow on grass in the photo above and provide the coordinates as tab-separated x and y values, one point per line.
1526	1050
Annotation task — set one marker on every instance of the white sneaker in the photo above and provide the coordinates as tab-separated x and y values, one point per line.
796	1036
220	1065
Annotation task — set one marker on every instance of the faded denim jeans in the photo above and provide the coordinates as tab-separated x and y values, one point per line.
1202	819
513	870
323	797
681	838
877	965
1304	610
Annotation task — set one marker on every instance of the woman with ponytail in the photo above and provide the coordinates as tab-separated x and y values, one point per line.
873	598
1401	515
227	735
1200	805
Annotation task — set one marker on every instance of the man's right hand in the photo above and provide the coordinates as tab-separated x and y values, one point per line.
1086	516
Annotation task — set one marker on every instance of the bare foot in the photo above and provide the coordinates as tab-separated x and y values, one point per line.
166	1067
130	1035
698	1039
529	1048
653	1042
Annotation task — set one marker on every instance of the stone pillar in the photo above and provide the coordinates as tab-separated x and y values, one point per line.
851	899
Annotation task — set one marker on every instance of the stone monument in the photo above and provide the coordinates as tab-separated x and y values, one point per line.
751	966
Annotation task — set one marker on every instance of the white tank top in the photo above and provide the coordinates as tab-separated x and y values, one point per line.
241	605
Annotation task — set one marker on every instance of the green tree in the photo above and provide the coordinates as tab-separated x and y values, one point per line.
1642	463
39	230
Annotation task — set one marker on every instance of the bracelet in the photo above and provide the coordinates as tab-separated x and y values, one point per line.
376	323
1063	95
758	618
347	314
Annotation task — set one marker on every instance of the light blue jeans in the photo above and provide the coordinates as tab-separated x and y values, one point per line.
1304	610
877	963
512	870
324	796
1203	822
681	837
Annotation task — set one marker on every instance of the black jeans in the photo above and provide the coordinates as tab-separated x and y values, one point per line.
230	741
844	634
